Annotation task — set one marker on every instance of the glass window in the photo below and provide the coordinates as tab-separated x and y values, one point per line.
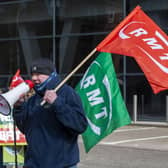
30	15
150	107
88	16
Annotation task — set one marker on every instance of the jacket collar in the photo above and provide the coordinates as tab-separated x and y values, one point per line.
48	84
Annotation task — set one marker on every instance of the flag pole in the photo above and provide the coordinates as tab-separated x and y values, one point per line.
72	72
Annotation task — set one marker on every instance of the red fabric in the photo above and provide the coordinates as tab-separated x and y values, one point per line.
16	80
138	36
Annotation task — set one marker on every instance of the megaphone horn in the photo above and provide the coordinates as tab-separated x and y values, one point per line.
8	99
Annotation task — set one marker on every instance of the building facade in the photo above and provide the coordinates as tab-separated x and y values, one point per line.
66	31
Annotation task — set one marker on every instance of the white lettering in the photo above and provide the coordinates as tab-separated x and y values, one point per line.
164	57
92	97
161	37
138	32
151	42
103	113
90	80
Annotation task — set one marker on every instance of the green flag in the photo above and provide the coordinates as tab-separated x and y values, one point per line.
102	101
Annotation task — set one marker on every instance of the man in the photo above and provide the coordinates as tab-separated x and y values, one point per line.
51	130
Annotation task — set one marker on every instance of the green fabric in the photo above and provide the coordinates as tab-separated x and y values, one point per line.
102	101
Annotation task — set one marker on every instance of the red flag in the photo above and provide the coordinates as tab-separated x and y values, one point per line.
138	36
16	80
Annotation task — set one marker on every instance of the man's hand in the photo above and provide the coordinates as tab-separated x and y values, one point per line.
21	99
50	96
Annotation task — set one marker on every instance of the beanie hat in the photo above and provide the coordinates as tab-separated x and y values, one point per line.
42	66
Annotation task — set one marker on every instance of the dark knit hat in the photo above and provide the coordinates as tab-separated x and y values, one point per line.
42	66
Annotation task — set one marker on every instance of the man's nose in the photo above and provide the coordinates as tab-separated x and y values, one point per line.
34	77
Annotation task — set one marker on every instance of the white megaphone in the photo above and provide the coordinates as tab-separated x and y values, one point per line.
8	99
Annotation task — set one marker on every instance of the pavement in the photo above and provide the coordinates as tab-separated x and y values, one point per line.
133	146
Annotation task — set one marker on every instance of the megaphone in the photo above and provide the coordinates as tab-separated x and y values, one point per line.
8	99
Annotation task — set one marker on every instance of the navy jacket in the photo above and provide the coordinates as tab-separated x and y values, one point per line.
51	131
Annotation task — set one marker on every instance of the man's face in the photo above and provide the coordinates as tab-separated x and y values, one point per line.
38	78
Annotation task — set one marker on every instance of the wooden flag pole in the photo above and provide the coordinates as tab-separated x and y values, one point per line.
70	74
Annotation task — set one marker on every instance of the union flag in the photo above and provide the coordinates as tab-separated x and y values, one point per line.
140	37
